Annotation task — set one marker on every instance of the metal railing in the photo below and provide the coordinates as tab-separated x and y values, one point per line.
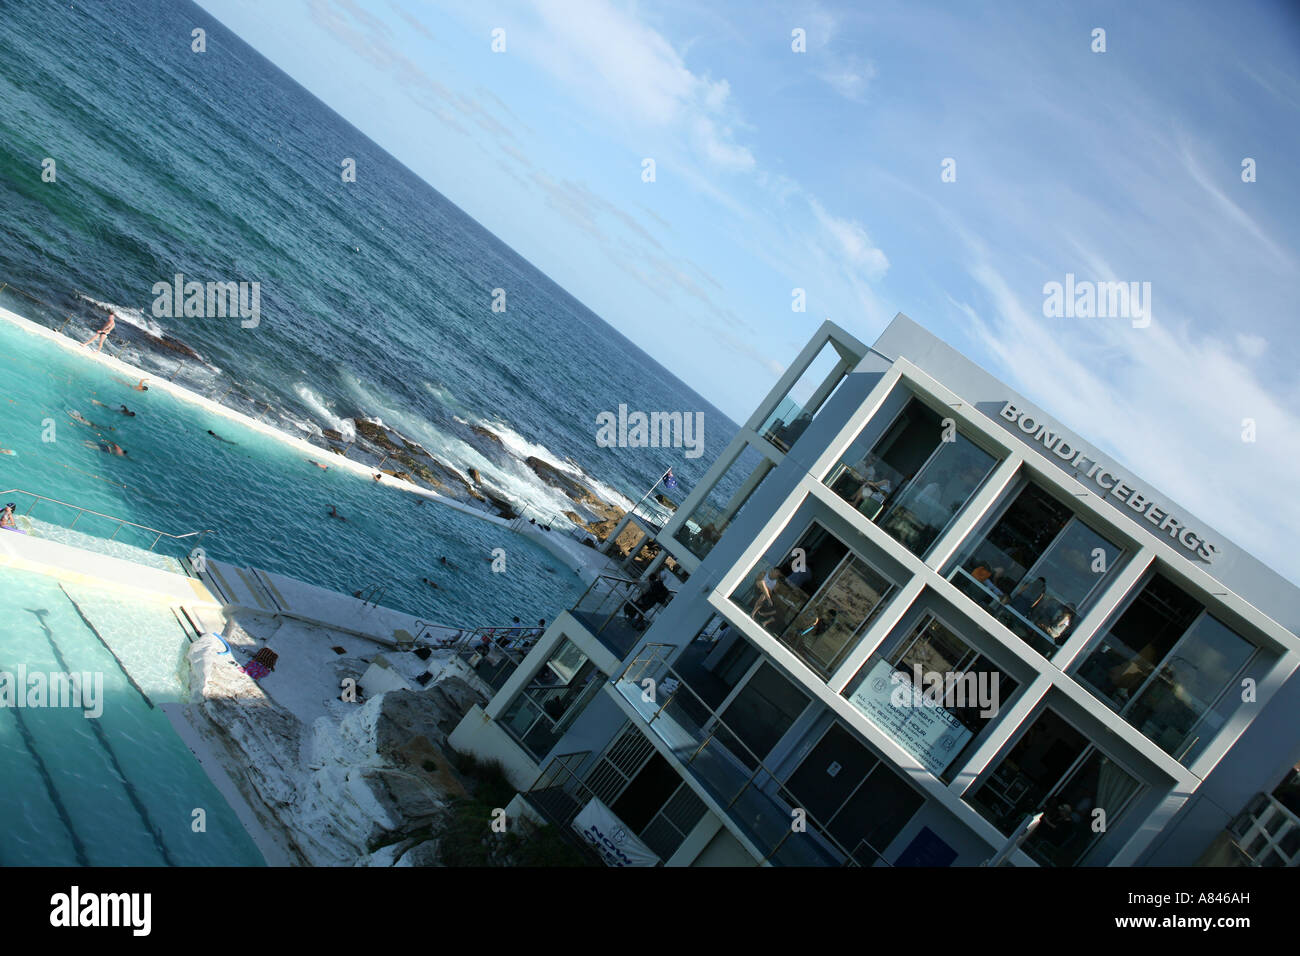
726	766
120	522
608	596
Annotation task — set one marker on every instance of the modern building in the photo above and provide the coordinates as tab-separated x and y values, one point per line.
917	613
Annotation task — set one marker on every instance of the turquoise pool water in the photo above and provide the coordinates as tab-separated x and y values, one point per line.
117	790
266	503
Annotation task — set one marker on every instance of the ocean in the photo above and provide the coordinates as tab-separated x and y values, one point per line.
375	303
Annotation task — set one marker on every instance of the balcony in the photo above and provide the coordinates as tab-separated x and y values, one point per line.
749	792
616	612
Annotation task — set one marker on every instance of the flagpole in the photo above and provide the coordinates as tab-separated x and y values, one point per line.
651	491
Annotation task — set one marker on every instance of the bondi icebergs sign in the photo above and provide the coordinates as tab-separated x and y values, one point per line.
1111	485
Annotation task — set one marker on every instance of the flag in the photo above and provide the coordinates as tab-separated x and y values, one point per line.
669	480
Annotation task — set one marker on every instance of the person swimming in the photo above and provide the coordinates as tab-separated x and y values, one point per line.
81	419
318	464
141	387
333	513
121	408
430	583
7	451
219	438
111	448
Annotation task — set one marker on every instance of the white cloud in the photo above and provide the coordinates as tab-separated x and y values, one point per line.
852	241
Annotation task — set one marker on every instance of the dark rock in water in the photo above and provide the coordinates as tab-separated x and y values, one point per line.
331	434
558	479
485	433
475	477
414	448
505	508
375	434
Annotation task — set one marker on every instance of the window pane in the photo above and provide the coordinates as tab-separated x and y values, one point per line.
785	580
1037	569
1032	770
1138	642
762	712
825	631
1066	831
1189	683
875	815
927	502
959	694
910	482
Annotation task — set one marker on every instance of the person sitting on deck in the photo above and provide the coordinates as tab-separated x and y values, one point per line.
656	593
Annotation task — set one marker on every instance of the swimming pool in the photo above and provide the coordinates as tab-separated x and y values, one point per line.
266	503
119	789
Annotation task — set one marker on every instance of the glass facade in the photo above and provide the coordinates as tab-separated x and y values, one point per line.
816	598
1037	569
1053	768
538	717
851	795
915	479
933	694
704	526
1169	668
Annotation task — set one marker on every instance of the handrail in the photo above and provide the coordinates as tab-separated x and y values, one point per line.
99	514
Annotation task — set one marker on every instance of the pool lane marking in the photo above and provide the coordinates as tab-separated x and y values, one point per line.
103	737
93	630
77	846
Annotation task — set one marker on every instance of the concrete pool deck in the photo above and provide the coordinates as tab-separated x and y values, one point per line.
321	637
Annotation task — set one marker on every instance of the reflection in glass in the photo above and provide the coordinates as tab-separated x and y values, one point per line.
538	717
911	482
1054	769
937	722
816	598
1037	569
1170	669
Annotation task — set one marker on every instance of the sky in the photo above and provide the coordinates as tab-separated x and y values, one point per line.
823	169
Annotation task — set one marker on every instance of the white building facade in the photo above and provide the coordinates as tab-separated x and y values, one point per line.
917	613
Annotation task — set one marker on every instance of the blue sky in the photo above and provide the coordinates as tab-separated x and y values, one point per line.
821	170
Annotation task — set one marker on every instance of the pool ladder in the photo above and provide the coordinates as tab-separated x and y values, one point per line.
371	594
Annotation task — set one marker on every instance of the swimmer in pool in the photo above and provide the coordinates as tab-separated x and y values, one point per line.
141	387
82	420
378	477
106	446
430	583
7	451
333	513
219	438
121	408
7	516
443	561
319	465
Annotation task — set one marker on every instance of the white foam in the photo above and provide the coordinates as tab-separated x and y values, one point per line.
344	426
